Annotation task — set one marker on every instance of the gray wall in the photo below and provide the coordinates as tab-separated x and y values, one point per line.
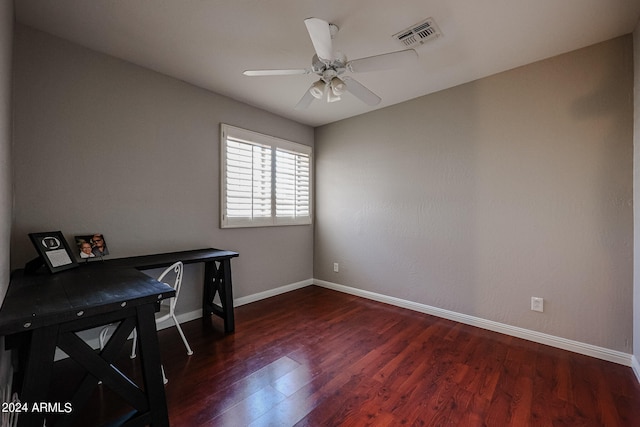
636	203
476	198
102	145
6	41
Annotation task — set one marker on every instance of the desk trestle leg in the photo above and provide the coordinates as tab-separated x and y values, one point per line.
217	280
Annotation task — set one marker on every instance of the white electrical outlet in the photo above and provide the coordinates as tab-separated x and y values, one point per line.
537	304
336	267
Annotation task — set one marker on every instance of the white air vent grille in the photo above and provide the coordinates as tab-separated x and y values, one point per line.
418	34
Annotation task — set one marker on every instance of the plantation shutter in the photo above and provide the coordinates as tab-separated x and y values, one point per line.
264	180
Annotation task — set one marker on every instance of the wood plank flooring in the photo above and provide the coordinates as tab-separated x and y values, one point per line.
316	357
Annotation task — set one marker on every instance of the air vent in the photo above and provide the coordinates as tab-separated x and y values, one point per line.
418	34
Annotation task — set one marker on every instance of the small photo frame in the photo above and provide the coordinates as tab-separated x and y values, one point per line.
54	250
91	246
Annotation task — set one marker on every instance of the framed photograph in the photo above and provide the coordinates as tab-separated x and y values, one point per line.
91	246
54	250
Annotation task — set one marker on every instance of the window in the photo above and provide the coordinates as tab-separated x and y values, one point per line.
264	180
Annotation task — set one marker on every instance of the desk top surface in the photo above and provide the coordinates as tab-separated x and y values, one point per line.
165	259
36	300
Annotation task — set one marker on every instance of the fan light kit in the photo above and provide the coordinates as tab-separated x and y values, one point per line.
329	65
333	90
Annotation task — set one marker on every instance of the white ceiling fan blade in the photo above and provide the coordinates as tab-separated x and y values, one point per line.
385	61
290	72
305	101
361	92
320	37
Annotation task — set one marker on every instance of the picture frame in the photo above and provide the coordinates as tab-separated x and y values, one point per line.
91	246
53	250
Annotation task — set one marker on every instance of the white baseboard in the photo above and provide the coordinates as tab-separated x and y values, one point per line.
635	365
272	292
551	340
196	314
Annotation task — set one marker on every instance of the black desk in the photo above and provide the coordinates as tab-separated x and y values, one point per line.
47	311
217	276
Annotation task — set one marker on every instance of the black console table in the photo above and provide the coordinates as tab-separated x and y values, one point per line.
217	276
44	311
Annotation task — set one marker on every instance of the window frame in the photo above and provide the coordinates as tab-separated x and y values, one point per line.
274	144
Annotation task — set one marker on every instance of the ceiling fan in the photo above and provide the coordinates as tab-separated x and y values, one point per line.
330	65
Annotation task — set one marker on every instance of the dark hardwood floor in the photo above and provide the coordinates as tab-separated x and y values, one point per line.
316	357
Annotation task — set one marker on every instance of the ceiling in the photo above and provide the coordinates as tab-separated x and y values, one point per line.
209	43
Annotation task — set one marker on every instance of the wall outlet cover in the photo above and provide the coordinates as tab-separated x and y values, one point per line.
537	304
